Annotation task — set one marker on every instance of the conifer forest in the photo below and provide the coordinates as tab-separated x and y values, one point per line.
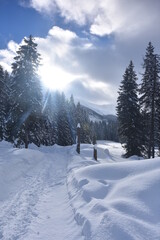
30	115
138	107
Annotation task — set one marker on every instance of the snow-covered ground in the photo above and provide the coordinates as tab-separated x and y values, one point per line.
52	193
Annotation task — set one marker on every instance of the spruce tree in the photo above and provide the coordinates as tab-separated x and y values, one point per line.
149	100
8	103
2	103
128	113
50	119
63	127
158	123
26	94
72	118
82	117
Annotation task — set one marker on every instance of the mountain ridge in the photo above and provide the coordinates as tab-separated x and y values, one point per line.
97	117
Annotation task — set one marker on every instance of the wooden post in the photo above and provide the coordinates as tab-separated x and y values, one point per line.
26	135
78	138
94	148
95	152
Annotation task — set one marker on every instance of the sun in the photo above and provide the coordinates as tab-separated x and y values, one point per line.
54	77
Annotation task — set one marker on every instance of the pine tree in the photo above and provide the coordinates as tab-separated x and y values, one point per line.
8	103
50	119
158	123
64	131
2	103
26	94
83	118
149	90
93	133
72	118
128	112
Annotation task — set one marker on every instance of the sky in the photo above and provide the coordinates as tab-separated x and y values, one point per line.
85	46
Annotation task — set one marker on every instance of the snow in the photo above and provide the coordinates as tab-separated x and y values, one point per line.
95	146
34	202
55	193
94	118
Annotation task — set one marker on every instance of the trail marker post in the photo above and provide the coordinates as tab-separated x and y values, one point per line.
78	137
94	148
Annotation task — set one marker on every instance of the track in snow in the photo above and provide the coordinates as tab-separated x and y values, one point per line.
41	208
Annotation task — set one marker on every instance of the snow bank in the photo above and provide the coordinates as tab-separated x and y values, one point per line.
55	193
116	201
22	179
16	165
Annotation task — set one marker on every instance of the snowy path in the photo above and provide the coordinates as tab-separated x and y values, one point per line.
54	208
41	207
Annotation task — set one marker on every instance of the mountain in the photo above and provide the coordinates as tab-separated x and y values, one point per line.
97	117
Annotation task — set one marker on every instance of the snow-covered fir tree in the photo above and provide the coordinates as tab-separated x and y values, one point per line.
8	103
26	94
50	136
3	98
150	98
63	127
72	118
105	130
158	124
128	113
83	118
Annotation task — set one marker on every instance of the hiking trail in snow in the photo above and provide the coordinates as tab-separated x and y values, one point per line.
40	207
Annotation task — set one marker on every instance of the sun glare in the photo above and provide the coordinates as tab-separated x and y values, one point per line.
54	77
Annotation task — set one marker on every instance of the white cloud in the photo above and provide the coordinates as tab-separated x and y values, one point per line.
43	5
105	16
13	46
79	11
7	55
62	35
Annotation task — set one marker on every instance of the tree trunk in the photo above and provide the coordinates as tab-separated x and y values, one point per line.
26	136
95	153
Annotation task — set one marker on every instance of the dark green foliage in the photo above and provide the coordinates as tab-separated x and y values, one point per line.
128	113
26	94
104	130
64	131
2	103
49	112
72	118
149	100
83	118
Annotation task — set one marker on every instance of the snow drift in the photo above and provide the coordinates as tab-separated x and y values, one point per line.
54	193
117	201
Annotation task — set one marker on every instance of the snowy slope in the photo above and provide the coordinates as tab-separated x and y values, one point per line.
54	193
116	200
96	116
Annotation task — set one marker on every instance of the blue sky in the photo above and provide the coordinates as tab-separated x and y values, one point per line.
17	22
85	45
